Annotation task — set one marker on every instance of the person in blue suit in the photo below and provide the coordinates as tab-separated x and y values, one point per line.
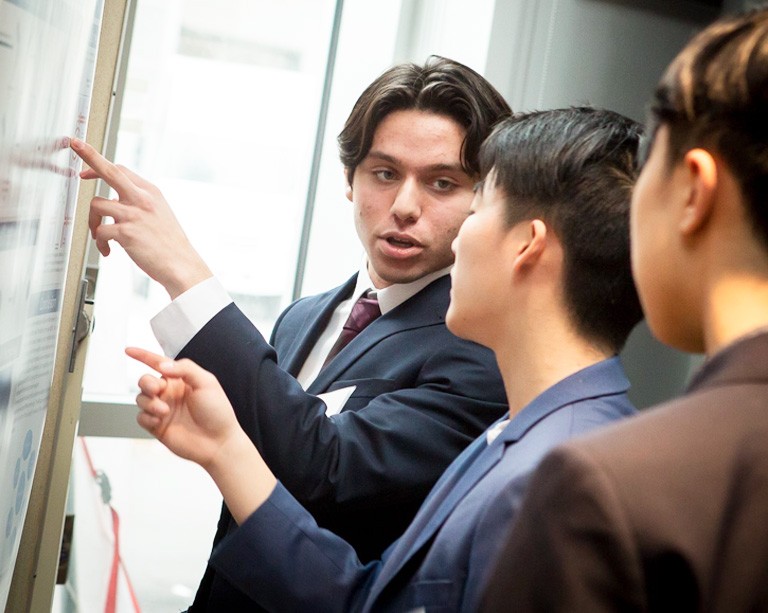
359	441
667	511
542	277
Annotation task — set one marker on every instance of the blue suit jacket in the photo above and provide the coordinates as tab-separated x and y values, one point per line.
287	563
421	396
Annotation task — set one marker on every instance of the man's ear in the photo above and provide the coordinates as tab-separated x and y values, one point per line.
701	172
532	245
347	185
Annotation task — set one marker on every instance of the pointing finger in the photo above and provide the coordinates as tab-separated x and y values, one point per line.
104	169
152	360
137	179
185	369
188	371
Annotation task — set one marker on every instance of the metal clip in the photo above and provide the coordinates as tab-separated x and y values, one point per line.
83	325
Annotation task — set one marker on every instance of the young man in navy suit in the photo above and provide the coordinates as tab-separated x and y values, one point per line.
361	440
542	277
667	511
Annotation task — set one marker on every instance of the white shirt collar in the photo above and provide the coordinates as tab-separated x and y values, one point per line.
492	433
394	295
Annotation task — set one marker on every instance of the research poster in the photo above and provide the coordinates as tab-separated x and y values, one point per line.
47	59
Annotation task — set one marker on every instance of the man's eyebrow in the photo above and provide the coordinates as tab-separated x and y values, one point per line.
380	155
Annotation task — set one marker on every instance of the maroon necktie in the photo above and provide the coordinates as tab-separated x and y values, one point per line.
364	311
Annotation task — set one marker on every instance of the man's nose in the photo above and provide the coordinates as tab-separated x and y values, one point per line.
408	201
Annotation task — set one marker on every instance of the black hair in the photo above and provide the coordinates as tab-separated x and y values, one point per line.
574	169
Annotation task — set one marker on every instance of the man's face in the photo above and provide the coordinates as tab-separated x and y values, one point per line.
411	196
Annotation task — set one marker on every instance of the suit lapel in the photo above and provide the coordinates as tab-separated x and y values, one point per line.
426	308
310	330
597	380
456	482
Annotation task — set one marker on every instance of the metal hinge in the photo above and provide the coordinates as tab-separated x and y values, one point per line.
84	324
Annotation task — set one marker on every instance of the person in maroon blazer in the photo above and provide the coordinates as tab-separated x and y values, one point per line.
668	511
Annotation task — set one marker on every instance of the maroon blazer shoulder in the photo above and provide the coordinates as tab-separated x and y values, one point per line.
665	511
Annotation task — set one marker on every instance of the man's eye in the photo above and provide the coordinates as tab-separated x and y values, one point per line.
443	185
384	174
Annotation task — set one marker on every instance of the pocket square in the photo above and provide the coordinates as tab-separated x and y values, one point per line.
335	400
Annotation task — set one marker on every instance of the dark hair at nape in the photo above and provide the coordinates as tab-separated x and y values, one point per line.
441	86
574	168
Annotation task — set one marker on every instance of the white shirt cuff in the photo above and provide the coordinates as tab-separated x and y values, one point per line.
178	323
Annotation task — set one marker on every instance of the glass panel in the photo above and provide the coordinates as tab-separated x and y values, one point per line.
220	109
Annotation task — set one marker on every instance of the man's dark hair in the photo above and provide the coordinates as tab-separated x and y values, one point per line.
574	169
714	95
441	86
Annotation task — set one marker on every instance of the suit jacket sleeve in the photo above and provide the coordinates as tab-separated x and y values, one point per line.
570	548
377	461
282	560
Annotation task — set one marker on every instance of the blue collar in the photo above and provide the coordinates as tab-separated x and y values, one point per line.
602	379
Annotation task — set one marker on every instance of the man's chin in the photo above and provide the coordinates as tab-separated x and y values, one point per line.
398	275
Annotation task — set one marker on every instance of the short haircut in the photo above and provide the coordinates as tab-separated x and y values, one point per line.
714	95
574	169
441	86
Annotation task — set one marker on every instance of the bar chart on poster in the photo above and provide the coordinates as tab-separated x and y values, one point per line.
47	59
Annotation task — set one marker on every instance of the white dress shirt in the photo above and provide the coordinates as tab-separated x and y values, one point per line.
178	323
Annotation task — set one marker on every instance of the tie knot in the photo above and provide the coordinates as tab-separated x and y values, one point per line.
364	311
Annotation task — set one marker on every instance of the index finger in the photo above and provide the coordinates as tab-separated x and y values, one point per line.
152	360
184	369
104	169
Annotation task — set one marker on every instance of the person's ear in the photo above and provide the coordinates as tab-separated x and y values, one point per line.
701	173
532	246
347	185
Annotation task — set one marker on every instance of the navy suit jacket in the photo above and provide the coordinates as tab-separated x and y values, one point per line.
421	396
281	557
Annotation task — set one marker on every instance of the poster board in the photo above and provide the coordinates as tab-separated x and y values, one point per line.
48	52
